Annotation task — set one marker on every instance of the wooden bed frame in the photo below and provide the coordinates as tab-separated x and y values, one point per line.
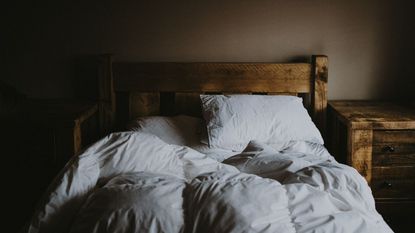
128	90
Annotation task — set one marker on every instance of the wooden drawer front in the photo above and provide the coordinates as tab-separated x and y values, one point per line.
393	182
394	136
393	147
398	214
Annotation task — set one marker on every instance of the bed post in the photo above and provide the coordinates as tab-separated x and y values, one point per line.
319	92
106	100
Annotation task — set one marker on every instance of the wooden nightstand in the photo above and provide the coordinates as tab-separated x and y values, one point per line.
378	139
42	135
39	137
59	129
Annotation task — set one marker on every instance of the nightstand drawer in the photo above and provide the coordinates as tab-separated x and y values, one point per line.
393	147
394	136
393	182
397	189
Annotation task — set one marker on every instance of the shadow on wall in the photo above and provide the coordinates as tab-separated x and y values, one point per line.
51	47
397	53
406	56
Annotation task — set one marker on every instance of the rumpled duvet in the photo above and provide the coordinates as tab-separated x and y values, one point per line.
134	182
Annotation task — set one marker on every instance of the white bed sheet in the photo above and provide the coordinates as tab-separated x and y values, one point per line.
190	131
298	189
180	130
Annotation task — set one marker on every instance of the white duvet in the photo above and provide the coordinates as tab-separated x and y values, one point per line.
134	182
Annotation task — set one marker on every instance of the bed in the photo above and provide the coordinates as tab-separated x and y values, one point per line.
261	168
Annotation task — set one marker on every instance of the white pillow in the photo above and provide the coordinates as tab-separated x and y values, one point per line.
234	120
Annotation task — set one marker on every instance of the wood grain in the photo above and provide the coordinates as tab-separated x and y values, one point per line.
390	188
360	152
380	145
177	84
202	77
375	114
144	104
397	213
403	154
388	172
188	103
394	136
77	140
283	93
106	92
394	182
393	147
319	92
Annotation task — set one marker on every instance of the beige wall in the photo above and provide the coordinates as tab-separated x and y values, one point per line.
49	49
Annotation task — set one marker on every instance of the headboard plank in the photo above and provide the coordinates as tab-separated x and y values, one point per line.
144	104
283	93
188	103
211	77
173	88
167	103
319	93
106	98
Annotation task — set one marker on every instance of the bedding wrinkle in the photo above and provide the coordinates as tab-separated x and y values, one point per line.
139	183
322	194
180	130
241	203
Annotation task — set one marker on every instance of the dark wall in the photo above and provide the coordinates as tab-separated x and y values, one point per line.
48	49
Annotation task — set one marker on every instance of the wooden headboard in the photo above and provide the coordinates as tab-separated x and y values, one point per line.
128	90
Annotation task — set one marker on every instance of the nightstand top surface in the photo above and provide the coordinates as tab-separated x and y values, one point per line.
374	114
58	110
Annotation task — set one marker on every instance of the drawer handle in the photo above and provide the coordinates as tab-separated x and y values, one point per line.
387	184
389	149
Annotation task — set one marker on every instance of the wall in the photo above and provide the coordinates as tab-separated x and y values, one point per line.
50	47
